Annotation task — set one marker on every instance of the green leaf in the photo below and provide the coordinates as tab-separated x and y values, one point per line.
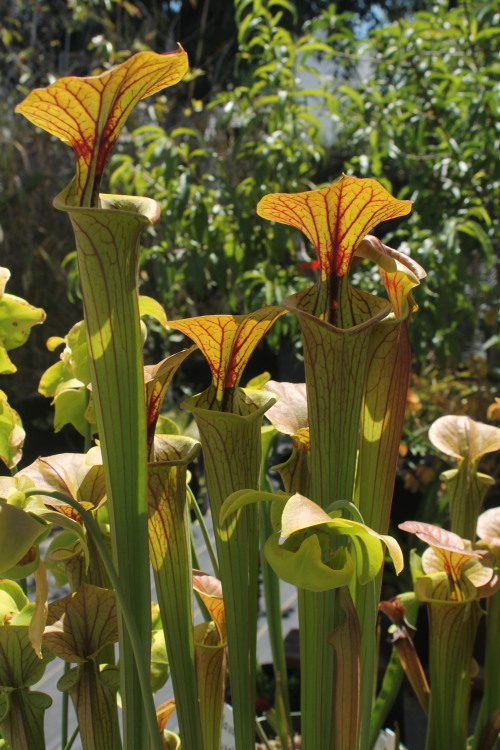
81	624
304	567
16	319
19	530
11	433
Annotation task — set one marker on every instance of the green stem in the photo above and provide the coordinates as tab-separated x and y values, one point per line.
335	375
491	695
367	607
72	739
204	531
391	684
64	710
271	583
196	565
262	735
107	240
272	599
452	630
232	452
316	623
133	633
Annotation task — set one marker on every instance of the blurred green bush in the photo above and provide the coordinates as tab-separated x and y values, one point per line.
278	100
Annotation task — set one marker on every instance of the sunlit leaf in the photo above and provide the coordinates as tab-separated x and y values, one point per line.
488	527
227	341
289	413
16	319
150	306
304	566
12	600
157	378
88	113
19	530
463	438
454	572
79	475
336	218
399	272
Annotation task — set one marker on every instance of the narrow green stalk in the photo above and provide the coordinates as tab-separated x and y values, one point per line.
72	739
391	684
316	621
133	634
64	710
271	582
452	630
204	531
272	598
367	607
262	735
491	695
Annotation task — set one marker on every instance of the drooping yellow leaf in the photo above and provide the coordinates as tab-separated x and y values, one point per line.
157	378
227	341
336	218
400	273
88	113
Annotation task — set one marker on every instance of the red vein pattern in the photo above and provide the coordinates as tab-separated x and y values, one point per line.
336	218
227	341
88	113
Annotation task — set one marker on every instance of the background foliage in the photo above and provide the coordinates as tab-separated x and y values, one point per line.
283	96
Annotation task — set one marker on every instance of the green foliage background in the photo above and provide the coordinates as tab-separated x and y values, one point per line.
283	96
